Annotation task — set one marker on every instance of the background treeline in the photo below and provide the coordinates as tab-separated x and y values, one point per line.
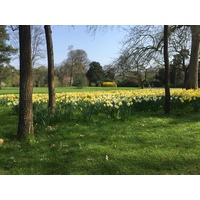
94	76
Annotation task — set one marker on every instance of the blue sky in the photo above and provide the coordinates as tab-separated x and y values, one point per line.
103	47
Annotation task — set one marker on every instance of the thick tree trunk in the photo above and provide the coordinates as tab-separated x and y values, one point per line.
167	70
192	81
52	100
25	124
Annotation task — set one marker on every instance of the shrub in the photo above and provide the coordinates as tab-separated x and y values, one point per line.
109	84
80	81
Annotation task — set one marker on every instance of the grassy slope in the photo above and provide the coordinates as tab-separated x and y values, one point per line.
149	143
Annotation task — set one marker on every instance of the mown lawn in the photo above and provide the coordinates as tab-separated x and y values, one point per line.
15	90
148	143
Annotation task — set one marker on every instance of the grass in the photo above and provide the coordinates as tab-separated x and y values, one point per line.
149	143
15	90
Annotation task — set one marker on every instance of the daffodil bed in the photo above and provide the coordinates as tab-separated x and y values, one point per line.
119	104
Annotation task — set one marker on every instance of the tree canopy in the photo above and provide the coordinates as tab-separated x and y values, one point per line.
95	73
5	53
5	50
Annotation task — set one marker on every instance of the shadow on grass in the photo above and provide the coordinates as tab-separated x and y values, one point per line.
149	143
8	124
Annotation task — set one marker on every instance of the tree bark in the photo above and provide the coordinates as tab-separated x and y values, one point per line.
192	81
167	70
25	123
51	87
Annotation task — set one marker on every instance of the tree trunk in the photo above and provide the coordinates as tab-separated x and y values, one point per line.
167	70
25	123
185	78
52	99
192	81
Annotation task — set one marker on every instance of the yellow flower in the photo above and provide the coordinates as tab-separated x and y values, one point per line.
181	99
120	103
116	106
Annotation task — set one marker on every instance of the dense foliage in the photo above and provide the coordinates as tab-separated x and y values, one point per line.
5	55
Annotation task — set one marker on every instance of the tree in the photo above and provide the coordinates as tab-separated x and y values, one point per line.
25	123
51	87
179	69
9	75
167	71
77	63
74	66
5	52
192	81
61	73
38	51
40	76
144	45
127	65
109	72
159	78
38	43
142	50
80	81
95	73
180	42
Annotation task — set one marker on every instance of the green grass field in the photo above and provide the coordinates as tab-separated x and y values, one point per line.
15	90
149	143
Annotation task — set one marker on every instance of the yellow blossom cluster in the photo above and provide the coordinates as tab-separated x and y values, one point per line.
112	98
109	84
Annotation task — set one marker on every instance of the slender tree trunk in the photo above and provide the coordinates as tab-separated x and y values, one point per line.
51	87
167	70
185	78
25	124
185	72
192	81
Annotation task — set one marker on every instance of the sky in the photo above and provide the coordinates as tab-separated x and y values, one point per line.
103	46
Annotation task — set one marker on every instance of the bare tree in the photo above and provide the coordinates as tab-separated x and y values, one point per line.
142	49
77	63
25	123
147	41
38	44
38	51
180	45
136	63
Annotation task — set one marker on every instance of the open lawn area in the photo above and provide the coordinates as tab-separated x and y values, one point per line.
15	90
147	143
